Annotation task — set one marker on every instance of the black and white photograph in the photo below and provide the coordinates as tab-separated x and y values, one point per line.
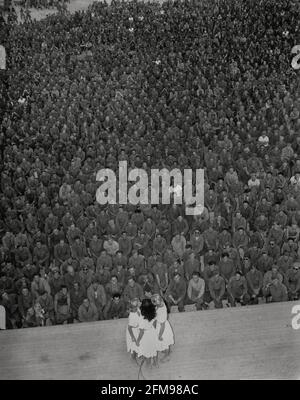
150	192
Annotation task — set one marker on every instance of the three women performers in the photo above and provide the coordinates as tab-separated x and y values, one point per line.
149	332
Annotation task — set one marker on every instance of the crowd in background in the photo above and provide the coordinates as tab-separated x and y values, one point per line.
42	4
182	84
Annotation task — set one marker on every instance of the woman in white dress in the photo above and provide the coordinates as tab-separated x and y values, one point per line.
147	338
163	327
132	330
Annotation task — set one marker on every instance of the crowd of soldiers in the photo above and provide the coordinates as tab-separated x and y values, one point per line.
183	84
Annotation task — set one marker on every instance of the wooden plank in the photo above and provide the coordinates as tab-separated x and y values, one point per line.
255	342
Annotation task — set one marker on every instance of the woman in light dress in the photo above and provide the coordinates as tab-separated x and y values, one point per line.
133	327
164	331
147	342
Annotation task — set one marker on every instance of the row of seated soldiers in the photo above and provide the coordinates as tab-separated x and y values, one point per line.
68	290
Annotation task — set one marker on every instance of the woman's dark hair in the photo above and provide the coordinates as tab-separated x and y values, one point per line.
148	309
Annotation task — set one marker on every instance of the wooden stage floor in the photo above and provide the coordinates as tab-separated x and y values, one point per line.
256	342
